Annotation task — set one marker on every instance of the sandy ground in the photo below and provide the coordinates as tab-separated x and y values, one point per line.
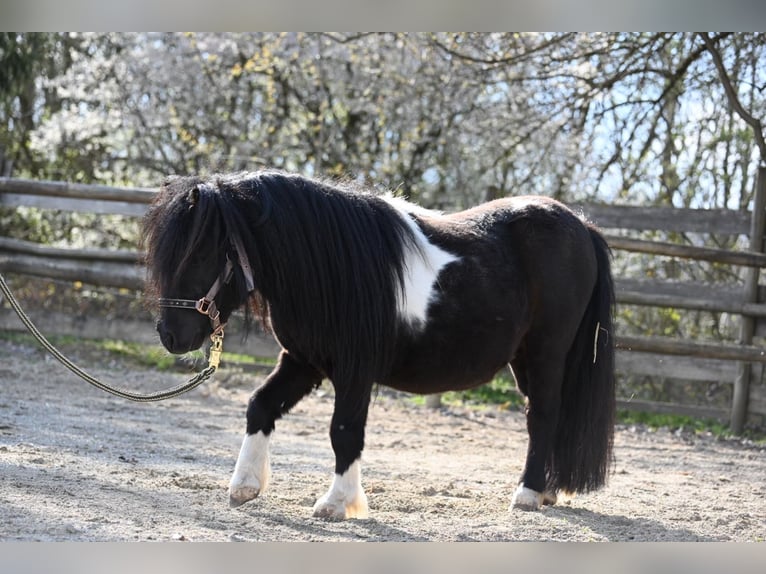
77	464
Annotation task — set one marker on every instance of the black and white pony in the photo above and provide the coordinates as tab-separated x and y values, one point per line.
364	289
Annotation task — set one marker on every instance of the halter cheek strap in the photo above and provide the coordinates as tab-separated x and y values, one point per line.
243	263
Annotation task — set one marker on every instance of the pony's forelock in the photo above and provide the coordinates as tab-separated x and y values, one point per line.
174	229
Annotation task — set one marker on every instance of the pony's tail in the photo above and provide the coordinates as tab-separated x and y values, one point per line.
582	451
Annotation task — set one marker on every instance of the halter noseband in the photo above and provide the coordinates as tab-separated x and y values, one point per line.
206	305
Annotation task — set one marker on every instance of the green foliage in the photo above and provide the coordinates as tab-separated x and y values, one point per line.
20	58
27	223
499	391
26	60
72	229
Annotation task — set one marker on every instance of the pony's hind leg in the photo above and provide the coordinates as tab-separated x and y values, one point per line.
286	385
541	383
346	497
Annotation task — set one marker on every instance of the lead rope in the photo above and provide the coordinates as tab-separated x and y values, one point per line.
215	357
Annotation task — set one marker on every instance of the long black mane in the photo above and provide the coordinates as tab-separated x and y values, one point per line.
326	259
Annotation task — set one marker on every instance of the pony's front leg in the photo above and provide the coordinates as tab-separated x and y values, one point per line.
346	497
290	381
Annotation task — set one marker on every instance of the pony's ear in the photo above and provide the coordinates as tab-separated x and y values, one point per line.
193	195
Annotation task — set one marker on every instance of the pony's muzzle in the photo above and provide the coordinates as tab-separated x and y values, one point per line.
180	341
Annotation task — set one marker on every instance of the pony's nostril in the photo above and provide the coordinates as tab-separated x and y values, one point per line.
166	336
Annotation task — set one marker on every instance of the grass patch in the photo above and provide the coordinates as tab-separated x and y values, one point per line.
151	356
500	391
26	338
673	422
239	358
144	355
157	357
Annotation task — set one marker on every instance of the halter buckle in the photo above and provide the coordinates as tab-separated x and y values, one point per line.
203	305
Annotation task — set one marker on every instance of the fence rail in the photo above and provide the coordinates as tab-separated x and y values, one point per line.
652	356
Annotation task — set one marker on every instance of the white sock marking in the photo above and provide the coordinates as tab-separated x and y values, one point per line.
346	497
422	266
526	498
253	470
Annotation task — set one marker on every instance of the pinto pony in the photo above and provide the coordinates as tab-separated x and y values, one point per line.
365	289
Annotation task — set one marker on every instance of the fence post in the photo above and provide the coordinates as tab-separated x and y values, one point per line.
434	401
747	329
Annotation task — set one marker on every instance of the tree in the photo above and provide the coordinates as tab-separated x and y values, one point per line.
22	61
450	118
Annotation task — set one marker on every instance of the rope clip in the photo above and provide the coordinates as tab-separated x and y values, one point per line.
216	349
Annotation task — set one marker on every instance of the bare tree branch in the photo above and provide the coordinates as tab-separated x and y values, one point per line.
507	60
732	96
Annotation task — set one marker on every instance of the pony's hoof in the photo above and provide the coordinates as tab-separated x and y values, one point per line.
550	498
241	495
527	499
338	510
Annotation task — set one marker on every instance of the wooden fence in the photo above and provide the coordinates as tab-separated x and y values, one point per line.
741	365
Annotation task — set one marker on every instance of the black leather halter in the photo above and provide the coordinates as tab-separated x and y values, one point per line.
206	305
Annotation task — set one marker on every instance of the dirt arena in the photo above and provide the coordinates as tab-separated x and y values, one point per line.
77	464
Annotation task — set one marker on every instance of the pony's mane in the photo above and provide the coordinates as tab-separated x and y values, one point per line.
327	259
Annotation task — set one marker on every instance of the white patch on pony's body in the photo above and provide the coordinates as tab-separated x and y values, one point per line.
346	497
252	471
422	265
